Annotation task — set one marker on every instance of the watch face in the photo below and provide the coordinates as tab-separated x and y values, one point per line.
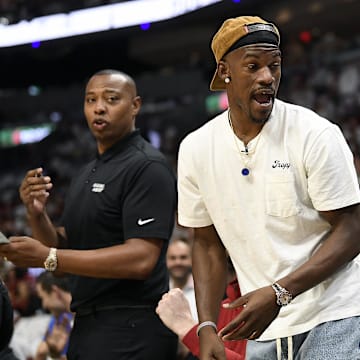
285	299
283	296
51	265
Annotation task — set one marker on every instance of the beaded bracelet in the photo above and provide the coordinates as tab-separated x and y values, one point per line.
205	323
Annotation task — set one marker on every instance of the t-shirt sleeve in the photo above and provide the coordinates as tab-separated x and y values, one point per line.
150	204
192	211
332	179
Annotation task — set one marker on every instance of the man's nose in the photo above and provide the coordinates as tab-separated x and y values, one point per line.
100	107
266	76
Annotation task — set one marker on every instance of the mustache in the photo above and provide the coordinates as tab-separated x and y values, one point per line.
269	90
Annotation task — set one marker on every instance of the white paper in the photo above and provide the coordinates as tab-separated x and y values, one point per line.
3	239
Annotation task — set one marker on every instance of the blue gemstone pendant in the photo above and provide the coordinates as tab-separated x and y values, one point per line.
245	172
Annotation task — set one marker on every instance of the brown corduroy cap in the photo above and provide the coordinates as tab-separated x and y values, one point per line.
230	32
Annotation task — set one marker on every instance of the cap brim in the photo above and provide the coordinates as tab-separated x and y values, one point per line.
216	83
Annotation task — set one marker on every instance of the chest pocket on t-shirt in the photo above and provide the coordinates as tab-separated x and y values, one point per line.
280	195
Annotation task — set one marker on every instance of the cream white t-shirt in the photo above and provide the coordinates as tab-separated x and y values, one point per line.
268	221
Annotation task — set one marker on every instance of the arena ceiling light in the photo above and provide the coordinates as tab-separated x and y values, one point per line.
96	19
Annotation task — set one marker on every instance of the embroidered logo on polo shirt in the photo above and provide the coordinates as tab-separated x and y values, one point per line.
96	187
279	164
142	222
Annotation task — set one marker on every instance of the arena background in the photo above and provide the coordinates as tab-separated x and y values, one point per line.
42	87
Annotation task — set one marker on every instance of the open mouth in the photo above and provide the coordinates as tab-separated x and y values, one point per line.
99	123
264	98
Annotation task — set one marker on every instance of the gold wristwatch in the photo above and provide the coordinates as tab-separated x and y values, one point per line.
51	262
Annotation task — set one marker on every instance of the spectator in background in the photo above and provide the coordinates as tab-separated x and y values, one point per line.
287	213
174	310
29	321
21	286
55	295
179	264
118	218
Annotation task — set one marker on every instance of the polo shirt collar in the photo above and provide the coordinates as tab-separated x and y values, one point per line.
119	146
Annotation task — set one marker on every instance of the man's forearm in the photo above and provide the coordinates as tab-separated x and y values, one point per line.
43	230
209	288
210	270
338	249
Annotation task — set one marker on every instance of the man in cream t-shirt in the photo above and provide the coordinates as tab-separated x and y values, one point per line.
274	184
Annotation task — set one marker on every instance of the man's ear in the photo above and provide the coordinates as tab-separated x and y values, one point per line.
136	104
223	70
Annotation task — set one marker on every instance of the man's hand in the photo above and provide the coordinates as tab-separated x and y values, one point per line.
58	338
174	311
260	309
34	191
211	345
25	251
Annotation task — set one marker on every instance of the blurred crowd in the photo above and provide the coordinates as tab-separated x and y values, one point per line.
323	75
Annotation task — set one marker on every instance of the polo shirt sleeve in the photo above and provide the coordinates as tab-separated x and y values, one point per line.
192	211
149	205
332	179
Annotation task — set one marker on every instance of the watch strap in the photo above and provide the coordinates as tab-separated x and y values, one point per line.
51	261
283	296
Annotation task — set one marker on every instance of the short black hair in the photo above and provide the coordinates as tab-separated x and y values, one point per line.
47	279
130	80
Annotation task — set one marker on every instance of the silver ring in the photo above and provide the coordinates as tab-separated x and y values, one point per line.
253	334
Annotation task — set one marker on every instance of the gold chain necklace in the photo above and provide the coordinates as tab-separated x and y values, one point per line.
244	154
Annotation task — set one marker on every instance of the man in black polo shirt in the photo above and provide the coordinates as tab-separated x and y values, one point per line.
118	217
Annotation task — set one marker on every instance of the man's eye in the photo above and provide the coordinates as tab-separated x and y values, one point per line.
251	66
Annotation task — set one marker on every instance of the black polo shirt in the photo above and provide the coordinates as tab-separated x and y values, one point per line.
127	192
